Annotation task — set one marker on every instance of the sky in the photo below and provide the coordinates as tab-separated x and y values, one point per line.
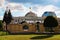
21	7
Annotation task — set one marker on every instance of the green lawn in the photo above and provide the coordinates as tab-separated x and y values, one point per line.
27	37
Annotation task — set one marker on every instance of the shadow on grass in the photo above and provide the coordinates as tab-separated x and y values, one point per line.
42	36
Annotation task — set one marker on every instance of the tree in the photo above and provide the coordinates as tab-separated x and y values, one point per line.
7	18
50	22
0	25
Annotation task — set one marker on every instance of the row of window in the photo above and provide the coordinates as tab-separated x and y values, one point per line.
16	22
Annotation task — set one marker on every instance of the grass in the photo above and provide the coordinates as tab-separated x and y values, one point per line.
16	37
27	37
3	36
3	33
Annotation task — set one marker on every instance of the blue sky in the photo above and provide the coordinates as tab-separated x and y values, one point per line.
41	2
21	7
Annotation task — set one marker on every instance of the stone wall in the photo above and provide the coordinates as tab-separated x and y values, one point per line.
18	28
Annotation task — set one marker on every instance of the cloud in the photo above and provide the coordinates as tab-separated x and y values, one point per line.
38	9
14	6
22	9
1	17
58	13
2	2
41	9
17	8
55	1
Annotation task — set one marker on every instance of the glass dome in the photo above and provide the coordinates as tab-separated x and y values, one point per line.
49	14
30	14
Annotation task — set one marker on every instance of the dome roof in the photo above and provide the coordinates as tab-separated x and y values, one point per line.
49	14
30	14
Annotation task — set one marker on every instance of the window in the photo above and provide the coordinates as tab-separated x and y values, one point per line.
37	26
15	22
25	28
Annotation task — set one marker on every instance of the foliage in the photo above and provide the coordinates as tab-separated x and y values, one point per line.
0	25
7	17
50	21
3	33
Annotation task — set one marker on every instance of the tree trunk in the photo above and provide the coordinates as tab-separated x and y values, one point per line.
51	29
6	29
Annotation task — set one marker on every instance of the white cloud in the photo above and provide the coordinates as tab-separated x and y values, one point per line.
14	6
38	9
2	2
17	7
41	9
58	13
55	1
1	17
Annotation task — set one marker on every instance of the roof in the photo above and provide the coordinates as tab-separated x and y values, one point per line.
48	13
30	14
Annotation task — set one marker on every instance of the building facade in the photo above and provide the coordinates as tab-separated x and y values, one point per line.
30	23
30	17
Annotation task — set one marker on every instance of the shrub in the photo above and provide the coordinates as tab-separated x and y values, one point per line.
50	22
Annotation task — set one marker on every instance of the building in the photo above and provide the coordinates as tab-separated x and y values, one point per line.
30	23
30	17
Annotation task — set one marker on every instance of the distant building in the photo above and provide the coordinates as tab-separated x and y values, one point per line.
30	23
30	17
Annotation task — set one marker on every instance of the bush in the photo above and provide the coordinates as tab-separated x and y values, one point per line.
50	22
3	33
